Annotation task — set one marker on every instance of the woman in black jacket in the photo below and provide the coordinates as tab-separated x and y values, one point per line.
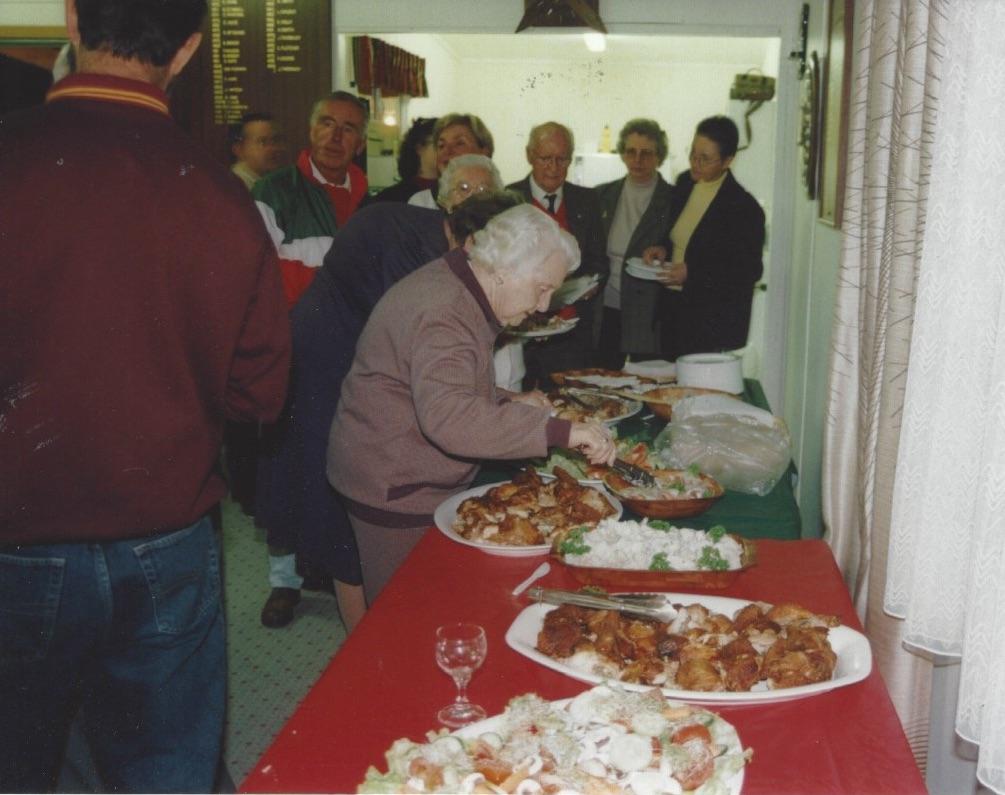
715	243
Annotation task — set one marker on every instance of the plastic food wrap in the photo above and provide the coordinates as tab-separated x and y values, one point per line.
743	452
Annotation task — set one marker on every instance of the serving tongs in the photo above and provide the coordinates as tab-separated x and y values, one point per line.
620	393
644	605
635	475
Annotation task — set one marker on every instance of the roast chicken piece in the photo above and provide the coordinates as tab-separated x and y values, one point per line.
699	650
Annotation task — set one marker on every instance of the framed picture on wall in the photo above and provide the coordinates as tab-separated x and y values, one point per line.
834	129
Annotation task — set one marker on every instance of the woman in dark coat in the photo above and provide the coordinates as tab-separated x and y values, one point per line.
715	244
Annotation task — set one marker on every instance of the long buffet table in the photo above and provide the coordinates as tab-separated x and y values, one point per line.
384	683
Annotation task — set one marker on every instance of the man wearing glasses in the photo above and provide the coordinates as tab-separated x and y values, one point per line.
577	210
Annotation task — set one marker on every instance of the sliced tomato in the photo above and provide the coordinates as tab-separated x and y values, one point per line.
567	312
698	770
694	731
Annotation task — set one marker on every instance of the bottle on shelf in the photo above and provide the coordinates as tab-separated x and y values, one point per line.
605	140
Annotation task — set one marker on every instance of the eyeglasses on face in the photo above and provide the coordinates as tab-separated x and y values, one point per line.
266	140
467	188
642	154
702	160
553	160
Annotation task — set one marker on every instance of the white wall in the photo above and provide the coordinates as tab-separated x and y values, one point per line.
812	288
32	12
588	94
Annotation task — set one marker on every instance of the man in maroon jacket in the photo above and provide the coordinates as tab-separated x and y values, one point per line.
141	308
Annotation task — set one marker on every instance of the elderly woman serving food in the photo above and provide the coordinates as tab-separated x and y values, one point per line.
419	407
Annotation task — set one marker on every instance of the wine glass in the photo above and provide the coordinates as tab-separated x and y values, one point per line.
460	649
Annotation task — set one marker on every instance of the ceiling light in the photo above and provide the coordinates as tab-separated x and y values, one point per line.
595	42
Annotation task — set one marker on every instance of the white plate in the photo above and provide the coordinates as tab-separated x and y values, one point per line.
647	274
567	324
854	656
660	369
446	513
571	290
725	733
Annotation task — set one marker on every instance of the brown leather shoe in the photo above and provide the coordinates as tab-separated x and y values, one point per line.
278	610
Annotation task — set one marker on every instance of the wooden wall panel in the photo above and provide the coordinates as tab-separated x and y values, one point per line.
256	55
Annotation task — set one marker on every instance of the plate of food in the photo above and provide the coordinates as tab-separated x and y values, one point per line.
544	326
582	406
575	463
676	493
572	462
714	649
605	379
606	739
653	555
520	517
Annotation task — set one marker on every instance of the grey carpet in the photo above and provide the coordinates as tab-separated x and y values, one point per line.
270	670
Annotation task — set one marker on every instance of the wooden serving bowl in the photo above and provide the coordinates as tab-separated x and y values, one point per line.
646	580
667	396
669	507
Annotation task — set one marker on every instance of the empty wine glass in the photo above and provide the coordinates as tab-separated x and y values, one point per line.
460	649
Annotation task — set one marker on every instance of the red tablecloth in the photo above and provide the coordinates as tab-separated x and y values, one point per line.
384	683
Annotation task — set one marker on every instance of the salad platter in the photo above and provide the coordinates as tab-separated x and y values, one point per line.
606	739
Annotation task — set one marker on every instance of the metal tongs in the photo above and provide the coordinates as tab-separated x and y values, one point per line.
643	605
635	475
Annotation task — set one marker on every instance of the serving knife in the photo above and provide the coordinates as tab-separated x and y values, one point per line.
652	606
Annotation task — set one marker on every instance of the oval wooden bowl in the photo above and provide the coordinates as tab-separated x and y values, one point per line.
646	580
668	508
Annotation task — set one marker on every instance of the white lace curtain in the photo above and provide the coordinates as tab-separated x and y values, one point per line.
946	567
895	93
915	444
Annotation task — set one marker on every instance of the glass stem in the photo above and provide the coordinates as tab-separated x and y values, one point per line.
462	688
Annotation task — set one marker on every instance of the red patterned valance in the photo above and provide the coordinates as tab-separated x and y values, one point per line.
392	70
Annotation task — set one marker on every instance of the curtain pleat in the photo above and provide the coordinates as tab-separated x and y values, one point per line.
946	573
392	71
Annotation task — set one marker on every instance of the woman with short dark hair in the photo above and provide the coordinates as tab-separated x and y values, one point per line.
715	244
416	163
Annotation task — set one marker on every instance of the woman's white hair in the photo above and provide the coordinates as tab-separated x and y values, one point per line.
449	175
520	239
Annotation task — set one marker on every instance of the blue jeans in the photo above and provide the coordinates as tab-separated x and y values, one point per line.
130	631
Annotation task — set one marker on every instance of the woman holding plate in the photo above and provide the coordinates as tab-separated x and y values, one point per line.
715	243
636	214
419	407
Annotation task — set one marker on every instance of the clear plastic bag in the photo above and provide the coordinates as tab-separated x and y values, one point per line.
739	451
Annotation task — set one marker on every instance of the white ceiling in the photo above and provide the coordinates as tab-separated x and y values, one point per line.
570	47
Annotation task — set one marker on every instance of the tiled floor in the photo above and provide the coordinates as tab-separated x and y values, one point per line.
271	670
